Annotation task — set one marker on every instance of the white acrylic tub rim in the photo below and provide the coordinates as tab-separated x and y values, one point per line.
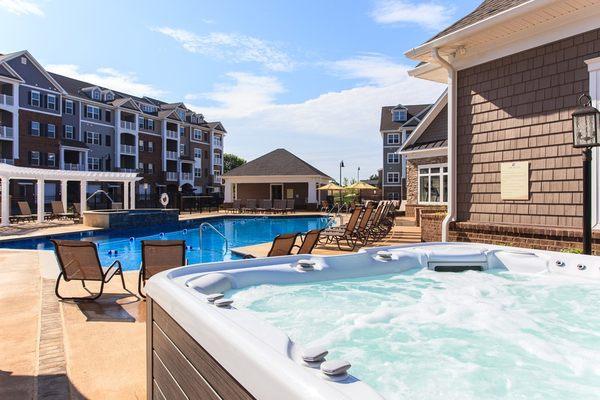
263	359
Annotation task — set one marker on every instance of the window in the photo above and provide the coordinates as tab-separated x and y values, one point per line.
34	98
107	115
198	173
393	177
68	132
69	107
141	166
197	153
93	164
109	96
150	124
393	196
35	128
150	167
51	130
148	108
182	149
24	60
107	140
35	158
150	147
96	94
433	184
197	134
181	114
92	112
181	130
141	122
399	115
393	138
393	158
51	160
51	102
92	138
141	145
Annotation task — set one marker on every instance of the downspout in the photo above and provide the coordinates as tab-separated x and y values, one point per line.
451	216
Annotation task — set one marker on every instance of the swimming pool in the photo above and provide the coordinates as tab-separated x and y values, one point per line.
125	244
524	325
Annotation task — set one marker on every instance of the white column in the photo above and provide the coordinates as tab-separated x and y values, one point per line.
312	192
132	195
228	192
594	91
117	139
61	155
5	201
164	145
63	194
40	200
83	196
16	136
212	152
85	160
126	195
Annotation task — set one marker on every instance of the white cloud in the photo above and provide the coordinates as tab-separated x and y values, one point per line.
231	47
108	77
21	7
322	130
429	14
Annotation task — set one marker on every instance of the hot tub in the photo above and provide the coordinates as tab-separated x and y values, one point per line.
516	323
115	219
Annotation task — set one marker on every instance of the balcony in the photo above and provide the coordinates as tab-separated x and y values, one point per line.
130	126
7	161
171	155
6	132
128	149
172	135
130	170
171	176
218	143
218	161
74	167
217	179
6	100
187	176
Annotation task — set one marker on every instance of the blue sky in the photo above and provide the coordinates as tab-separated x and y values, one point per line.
310	76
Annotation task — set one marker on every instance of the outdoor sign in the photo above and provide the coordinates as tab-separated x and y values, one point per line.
164	199
514	180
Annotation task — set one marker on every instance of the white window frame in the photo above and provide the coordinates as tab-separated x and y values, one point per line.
197	134
197	173
396	156
390	135
141	144
71	130
96	95
393	196
92	112
37	158
37	99
53	157
388	180
150	124
53	131
150	148
429	174
109	96
37	130
93	164
402	115
69	107
53	97
92	138
181	149
150	167
197	150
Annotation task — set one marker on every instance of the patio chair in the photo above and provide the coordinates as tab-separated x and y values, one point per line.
309	242
26	211
283	245
158	256
342	233
250	206
265	206
290	205
324	206
79	261
361	233
279	206
236	206
59	212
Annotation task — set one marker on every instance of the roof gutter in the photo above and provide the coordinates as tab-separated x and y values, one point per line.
452	97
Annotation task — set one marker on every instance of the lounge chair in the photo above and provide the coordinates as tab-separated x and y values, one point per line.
59	212
361	234
290	205
250	206
79	261
279	206
265	206
236	206
342	233
309	242
158	256
26	211
283	245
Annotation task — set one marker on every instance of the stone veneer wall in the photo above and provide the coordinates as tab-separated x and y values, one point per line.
412	185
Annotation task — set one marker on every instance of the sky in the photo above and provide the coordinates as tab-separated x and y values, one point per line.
308	76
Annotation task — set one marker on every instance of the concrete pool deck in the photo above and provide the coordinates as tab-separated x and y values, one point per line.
63	350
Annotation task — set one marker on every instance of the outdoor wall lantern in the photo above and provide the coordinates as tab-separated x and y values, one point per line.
586	124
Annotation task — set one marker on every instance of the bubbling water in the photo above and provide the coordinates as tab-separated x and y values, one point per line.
427	335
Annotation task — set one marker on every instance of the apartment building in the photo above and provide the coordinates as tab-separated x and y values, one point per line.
397	123
53	121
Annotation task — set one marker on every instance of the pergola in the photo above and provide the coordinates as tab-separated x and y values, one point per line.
40	175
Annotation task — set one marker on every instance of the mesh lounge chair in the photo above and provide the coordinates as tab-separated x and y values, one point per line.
361	234
236	206
279	205
250	206
79	261
158	256
59	212
310	241
26	211
283	245
344	232
265	206
290	205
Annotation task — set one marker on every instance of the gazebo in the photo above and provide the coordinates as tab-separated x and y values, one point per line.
40	175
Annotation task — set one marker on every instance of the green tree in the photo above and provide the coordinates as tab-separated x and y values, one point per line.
231	161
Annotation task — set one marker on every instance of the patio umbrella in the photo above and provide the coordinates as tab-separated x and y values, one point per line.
361	186
333	186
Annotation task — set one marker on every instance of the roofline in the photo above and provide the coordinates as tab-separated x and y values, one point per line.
478	26
224	176
38	66
12	71
422	151
437	107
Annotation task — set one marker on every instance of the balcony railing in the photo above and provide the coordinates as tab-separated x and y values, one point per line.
130	126
187	176
129	170
172	176
218	179
172	155
171	135
128	149
6	132
7	161
6	100
217	143
74	167
218	161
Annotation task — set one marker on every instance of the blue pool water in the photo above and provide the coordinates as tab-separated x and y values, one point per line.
239	231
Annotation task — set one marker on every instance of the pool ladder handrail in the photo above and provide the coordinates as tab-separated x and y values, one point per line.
218	233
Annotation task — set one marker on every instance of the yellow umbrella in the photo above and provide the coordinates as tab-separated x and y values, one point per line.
361	186
331	186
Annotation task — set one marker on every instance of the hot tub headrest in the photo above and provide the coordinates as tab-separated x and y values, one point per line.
211	283
456	254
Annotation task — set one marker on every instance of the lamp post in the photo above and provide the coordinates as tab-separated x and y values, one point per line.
341	184
358	175
586	124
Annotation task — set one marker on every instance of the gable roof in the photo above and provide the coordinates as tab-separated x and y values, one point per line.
432	131
413	110
7	71
46	74
216	125
276	163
